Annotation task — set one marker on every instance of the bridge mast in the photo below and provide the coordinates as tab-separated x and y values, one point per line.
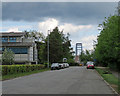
78	52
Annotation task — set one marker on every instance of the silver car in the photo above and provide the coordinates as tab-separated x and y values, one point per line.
66	65
55	66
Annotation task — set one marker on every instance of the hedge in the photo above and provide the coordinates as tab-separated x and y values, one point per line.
14	69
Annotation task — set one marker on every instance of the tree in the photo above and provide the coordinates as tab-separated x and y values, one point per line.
55	46
108	47
40	47
37	36
67	50
7	57
86	56
59	46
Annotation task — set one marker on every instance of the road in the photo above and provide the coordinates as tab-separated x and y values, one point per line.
73	80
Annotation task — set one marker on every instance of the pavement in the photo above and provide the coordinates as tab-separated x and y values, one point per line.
73	80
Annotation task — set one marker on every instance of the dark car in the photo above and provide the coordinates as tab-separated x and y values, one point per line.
55	66
90	65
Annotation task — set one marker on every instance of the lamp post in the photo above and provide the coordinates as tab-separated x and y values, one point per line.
94	46
48	48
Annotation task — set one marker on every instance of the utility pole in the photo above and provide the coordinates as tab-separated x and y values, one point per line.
48	48
94	46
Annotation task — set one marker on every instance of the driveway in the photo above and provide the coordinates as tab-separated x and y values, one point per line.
73	80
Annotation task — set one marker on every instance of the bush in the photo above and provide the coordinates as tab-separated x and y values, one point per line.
14	69
7	57
46	65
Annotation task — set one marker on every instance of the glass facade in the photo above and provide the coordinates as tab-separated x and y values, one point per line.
4	39
12	39
17	50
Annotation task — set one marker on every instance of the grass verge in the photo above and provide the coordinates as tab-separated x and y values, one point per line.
110	78
12	76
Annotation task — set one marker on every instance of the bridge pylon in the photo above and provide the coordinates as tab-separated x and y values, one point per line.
78	52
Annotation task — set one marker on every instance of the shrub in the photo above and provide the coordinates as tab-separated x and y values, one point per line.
7	57
46	64
14	69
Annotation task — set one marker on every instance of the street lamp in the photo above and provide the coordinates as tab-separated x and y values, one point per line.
94	46
48	48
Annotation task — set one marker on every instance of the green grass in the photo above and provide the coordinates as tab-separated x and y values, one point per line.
110	78
7	77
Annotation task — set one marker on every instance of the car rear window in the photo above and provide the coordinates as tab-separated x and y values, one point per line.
90	64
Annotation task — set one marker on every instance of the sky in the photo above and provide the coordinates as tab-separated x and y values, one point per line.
80	19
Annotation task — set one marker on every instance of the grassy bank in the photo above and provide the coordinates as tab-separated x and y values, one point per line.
110	78
11	76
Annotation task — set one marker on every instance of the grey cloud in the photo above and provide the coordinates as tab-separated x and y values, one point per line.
78	13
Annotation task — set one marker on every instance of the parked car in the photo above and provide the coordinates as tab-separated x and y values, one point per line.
80	64
90	65
66	65
55	66
61	66
89	62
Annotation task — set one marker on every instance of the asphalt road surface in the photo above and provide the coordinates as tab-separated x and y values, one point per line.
73	80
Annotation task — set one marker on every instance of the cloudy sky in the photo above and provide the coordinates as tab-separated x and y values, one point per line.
79	19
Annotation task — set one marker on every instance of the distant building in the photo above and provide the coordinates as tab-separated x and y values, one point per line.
24	48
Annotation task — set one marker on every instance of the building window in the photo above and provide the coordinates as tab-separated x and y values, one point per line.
16	50
4	39
19	50
12	39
